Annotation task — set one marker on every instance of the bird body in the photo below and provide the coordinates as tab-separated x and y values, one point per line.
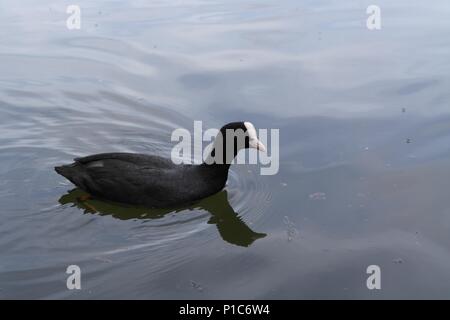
150	180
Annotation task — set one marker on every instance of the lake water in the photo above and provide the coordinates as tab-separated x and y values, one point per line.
364	120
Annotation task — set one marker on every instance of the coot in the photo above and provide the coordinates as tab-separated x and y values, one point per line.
154	181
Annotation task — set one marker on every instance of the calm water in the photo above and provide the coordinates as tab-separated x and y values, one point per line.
364	121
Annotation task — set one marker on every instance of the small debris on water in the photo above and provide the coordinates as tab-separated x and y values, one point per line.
398	260
403	110
283	184
291	230
196	286
408	140
318	196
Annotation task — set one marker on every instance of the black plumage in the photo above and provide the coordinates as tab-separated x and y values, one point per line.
151	180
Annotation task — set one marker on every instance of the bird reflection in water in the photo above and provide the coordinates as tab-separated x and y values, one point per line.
230	226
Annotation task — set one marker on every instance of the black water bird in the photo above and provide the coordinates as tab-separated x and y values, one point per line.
157	182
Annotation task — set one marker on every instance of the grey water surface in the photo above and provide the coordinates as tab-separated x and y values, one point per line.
364	148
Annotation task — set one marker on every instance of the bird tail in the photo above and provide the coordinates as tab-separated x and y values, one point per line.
67	171
75	174
63	170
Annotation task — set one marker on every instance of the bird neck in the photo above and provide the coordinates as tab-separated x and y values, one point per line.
217	164
221	154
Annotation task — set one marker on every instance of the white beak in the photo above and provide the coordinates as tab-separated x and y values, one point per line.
254	142
258	145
